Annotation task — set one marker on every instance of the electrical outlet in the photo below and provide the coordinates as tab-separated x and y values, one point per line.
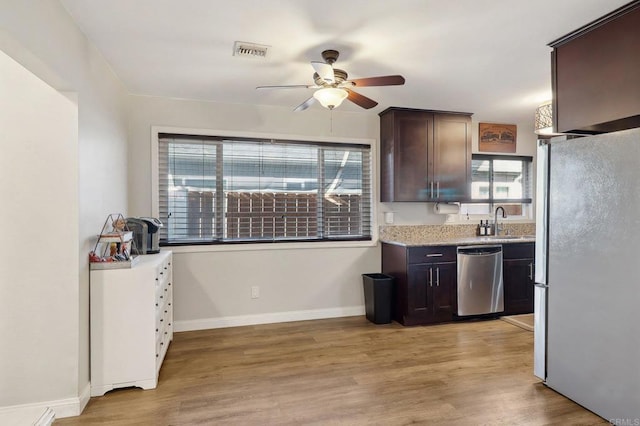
388	217
255	292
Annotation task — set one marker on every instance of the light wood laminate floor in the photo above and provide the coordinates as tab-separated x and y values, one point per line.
344	371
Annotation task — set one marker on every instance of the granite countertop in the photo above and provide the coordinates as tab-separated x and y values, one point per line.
440	235
461	241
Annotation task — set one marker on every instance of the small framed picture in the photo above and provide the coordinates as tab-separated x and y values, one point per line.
497	137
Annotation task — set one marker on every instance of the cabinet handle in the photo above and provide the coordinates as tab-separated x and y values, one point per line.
437	277
434	255
430	277
531	271
438	189
431	189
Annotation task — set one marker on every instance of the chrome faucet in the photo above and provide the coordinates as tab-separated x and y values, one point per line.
495	219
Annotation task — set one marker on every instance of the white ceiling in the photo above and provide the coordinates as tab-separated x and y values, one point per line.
488	57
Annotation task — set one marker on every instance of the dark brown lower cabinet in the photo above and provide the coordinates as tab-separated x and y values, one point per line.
518	275
429	291
426	277
425	282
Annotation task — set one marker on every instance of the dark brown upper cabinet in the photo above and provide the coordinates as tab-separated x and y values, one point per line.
596	75
425	155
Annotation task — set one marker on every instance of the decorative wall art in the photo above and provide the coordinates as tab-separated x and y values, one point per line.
497	137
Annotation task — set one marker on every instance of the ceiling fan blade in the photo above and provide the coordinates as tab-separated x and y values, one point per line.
385	80
290	86
306	104
360	100
325	71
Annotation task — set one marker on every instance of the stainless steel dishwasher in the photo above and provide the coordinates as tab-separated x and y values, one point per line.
480	286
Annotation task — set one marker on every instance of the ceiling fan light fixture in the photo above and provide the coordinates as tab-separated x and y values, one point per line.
330	97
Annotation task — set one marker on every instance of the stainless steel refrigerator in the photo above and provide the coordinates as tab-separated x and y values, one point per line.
587	294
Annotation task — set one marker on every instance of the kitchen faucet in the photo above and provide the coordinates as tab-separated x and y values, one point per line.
495	219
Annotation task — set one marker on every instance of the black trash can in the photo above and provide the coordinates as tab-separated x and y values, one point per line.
378	294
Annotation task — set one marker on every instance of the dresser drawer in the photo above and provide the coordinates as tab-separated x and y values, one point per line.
430	254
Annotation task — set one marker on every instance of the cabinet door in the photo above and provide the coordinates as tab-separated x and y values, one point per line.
413	135
595	76
418	294
451	158
518	286
444	276
429	292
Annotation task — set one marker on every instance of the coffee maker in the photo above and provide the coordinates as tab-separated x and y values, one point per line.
145	233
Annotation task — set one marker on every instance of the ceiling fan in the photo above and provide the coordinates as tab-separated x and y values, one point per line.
334	86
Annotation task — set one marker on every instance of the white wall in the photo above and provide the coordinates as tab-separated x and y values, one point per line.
45	40
39	250
213	288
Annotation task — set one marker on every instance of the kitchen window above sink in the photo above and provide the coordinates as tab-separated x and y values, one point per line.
505	180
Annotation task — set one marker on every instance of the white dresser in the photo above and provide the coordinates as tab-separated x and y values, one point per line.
131	323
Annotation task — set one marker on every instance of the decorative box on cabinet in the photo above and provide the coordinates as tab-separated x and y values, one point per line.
425	155
131	323
425	282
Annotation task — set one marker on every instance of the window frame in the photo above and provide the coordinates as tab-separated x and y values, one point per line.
258	245
491	200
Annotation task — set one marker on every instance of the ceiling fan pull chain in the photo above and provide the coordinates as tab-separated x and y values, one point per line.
331	121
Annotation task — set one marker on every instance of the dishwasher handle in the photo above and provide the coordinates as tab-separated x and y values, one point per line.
479	250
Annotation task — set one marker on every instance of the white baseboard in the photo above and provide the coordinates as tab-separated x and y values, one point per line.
42	413
85	395
270	318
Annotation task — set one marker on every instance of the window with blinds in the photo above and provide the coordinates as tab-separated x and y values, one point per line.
499	179
218	190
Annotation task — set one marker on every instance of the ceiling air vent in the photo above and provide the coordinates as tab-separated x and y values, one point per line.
251	50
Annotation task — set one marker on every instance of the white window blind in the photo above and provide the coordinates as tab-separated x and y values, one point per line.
216	190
